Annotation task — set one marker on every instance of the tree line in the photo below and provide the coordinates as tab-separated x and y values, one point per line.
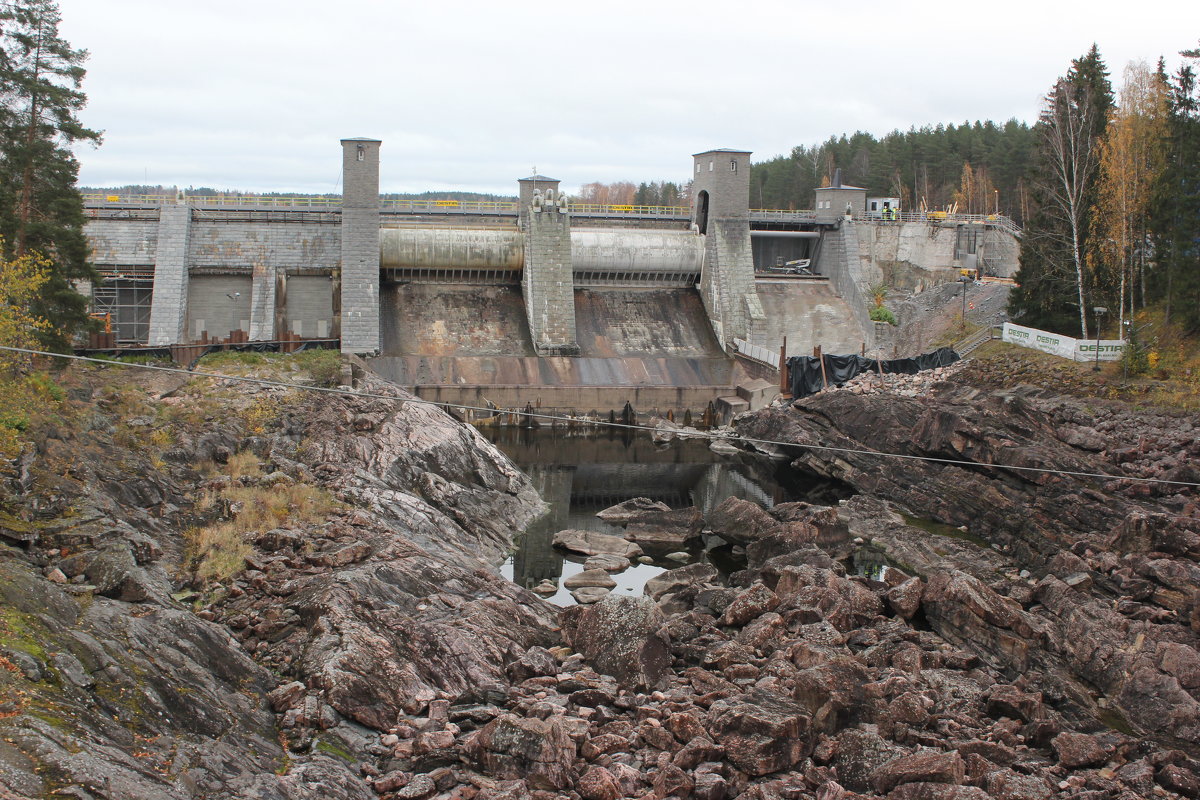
1115	198
979	165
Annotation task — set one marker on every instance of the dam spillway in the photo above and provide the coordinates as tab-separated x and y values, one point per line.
470	346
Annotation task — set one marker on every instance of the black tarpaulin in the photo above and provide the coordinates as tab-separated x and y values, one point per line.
804	372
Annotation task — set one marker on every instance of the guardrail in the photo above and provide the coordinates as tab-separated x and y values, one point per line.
769	214
985	334
994	220
223	200
617	209
757	352
506	207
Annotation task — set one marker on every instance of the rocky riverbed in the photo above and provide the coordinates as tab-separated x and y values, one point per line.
1039	641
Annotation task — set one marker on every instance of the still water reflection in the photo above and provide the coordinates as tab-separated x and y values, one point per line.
580	473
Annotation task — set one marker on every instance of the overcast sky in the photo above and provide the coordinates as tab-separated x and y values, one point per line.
255	94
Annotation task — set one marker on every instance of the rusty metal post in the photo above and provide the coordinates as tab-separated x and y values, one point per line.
784	387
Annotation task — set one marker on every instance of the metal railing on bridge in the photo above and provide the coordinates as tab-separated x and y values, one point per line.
616	209
498	207
995	220
101	199
780	215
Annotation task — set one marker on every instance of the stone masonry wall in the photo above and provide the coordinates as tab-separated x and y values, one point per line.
168	307
285	246
118	242
727	280
842	263
548	283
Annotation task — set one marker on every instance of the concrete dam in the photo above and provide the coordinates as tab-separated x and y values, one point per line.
543	302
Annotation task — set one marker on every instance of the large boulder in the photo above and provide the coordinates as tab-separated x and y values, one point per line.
675	580
926	767
622	637
761	732
591	543
623	512
511	747
742	522
665	531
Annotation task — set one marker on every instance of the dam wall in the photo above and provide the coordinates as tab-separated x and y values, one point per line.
484	303
915	256
808	314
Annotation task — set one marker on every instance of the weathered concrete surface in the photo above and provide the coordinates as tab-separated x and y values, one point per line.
425	319
457	248
809	314
660	323
536	373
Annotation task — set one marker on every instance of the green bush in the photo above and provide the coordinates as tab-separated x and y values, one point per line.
881	314
1135	360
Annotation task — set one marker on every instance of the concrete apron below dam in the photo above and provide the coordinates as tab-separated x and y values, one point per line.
652	349
571	386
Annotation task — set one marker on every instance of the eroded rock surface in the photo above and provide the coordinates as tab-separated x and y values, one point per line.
1048	650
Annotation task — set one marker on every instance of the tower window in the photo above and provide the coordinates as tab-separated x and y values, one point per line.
733	166
710	166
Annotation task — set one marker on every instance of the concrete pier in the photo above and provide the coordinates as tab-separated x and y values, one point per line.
169	307
360	246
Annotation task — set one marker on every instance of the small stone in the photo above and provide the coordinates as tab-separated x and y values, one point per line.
609	562
590	578
678	556
590	594
545	588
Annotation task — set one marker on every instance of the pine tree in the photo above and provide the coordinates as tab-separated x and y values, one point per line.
1176	221
41	211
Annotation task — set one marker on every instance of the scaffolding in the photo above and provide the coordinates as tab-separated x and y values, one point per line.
125	302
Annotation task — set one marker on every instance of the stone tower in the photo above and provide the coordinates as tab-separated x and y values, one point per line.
548	279
721	213
360	246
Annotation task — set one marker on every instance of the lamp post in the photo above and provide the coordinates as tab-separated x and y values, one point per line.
1127	334
1098	311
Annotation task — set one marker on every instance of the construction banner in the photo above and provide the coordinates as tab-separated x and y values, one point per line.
1064	346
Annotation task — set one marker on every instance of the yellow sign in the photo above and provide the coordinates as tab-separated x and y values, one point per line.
113	198
445	203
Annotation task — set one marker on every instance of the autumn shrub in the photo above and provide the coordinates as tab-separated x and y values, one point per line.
23	392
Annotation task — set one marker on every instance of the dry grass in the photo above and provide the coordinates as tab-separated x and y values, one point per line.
243	465
218	552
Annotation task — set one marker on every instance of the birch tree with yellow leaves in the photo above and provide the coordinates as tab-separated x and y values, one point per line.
1133	155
